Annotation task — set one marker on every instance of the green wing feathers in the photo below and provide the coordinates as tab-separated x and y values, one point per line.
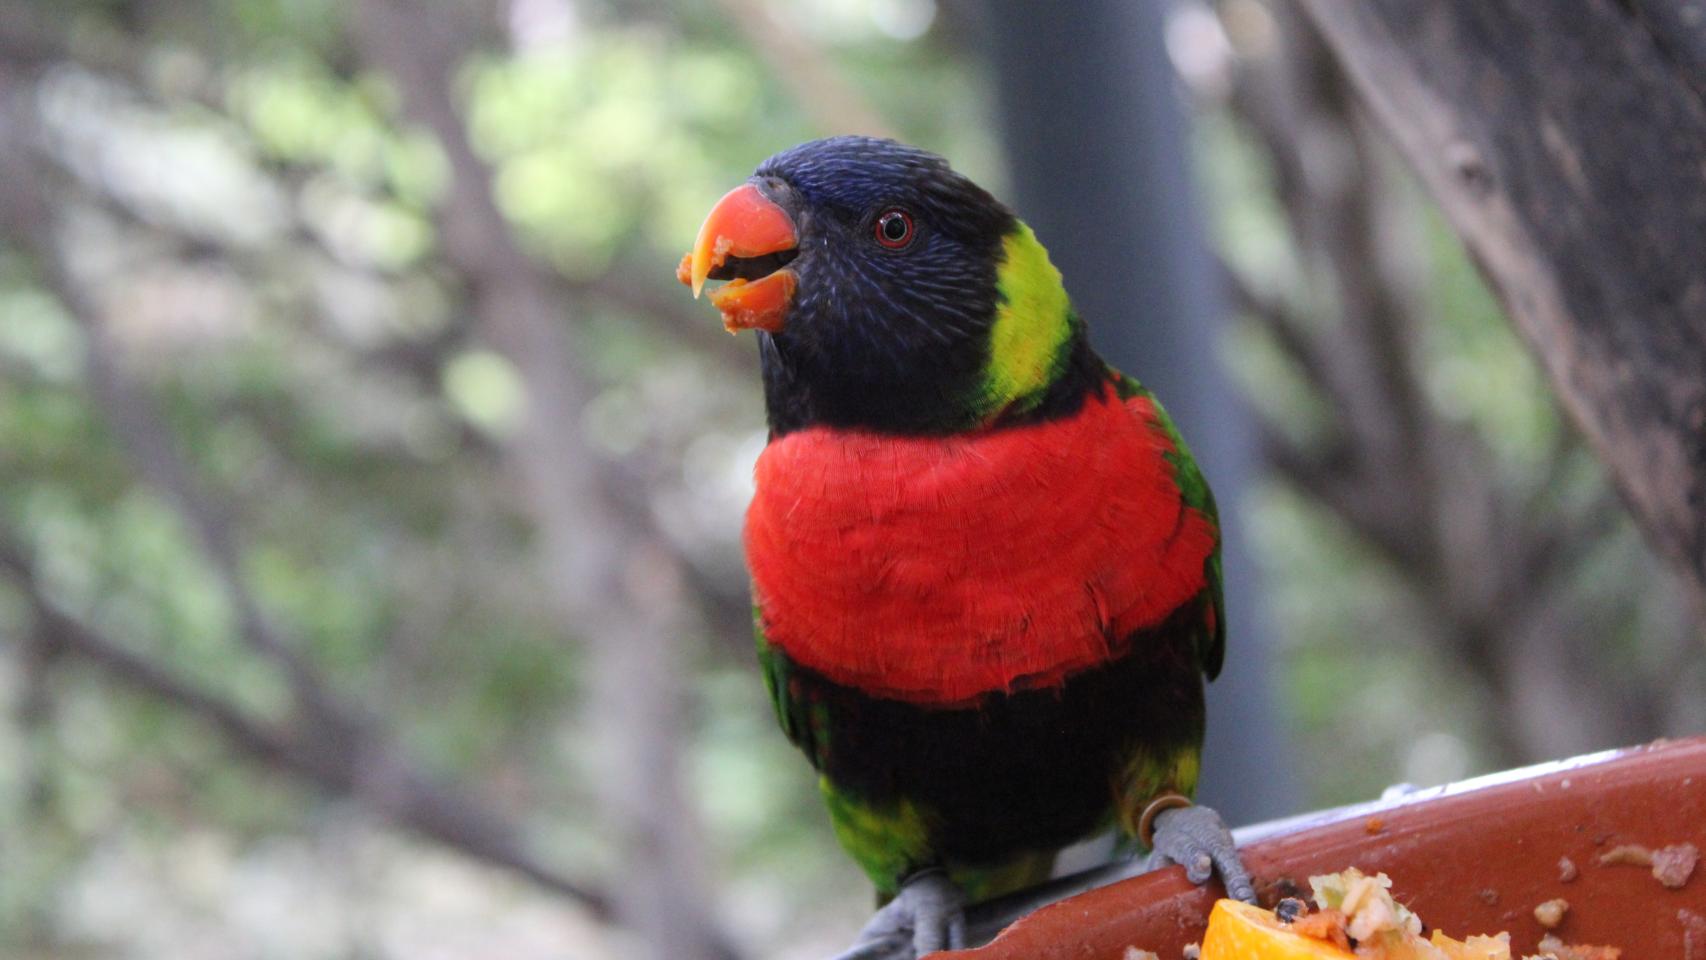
802	721
1194	490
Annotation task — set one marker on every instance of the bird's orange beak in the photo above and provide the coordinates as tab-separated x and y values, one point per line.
745	225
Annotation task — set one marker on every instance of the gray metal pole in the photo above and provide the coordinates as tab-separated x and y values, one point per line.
1098	144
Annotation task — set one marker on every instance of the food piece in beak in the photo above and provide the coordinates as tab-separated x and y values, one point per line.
760	304
746	239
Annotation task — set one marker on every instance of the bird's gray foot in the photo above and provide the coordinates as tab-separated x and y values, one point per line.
1197	839
927	915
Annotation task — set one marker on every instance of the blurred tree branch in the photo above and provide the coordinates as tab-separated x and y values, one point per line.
359	766
618	586
29	223
585	529
27	41
1565	146
1494	562
331	741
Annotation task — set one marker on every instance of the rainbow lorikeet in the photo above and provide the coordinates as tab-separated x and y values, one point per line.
985	569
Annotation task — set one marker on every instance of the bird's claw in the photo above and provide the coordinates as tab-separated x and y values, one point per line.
927	915
1198	840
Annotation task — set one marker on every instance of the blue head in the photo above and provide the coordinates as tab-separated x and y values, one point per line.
892	265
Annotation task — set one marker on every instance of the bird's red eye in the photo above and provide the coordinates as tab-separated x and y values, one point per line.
894	228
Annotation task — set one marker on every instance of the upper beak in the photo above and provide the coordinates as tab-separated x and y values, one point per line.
744	225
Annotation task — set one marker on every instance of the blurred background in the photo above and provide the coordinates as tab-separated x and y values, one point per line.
370	491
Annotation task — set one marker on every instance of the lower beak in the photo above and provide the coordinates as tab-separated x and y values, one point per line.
744	225
760	304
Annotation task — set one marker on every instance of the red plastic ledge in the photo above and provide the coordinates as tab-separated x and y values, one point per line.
1471	857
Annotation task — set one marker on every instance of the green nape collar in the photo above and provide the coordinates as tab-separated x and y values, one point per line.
1034	324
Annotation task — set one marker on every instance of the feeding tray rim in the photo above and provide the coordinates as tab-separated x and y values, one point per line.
1474	856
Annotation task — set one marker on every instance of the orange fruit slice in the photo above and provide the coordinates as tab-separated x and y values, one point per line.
1239	931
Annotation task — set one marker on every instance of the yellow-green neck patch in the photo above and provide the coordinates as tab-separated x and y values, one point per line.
1033	326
